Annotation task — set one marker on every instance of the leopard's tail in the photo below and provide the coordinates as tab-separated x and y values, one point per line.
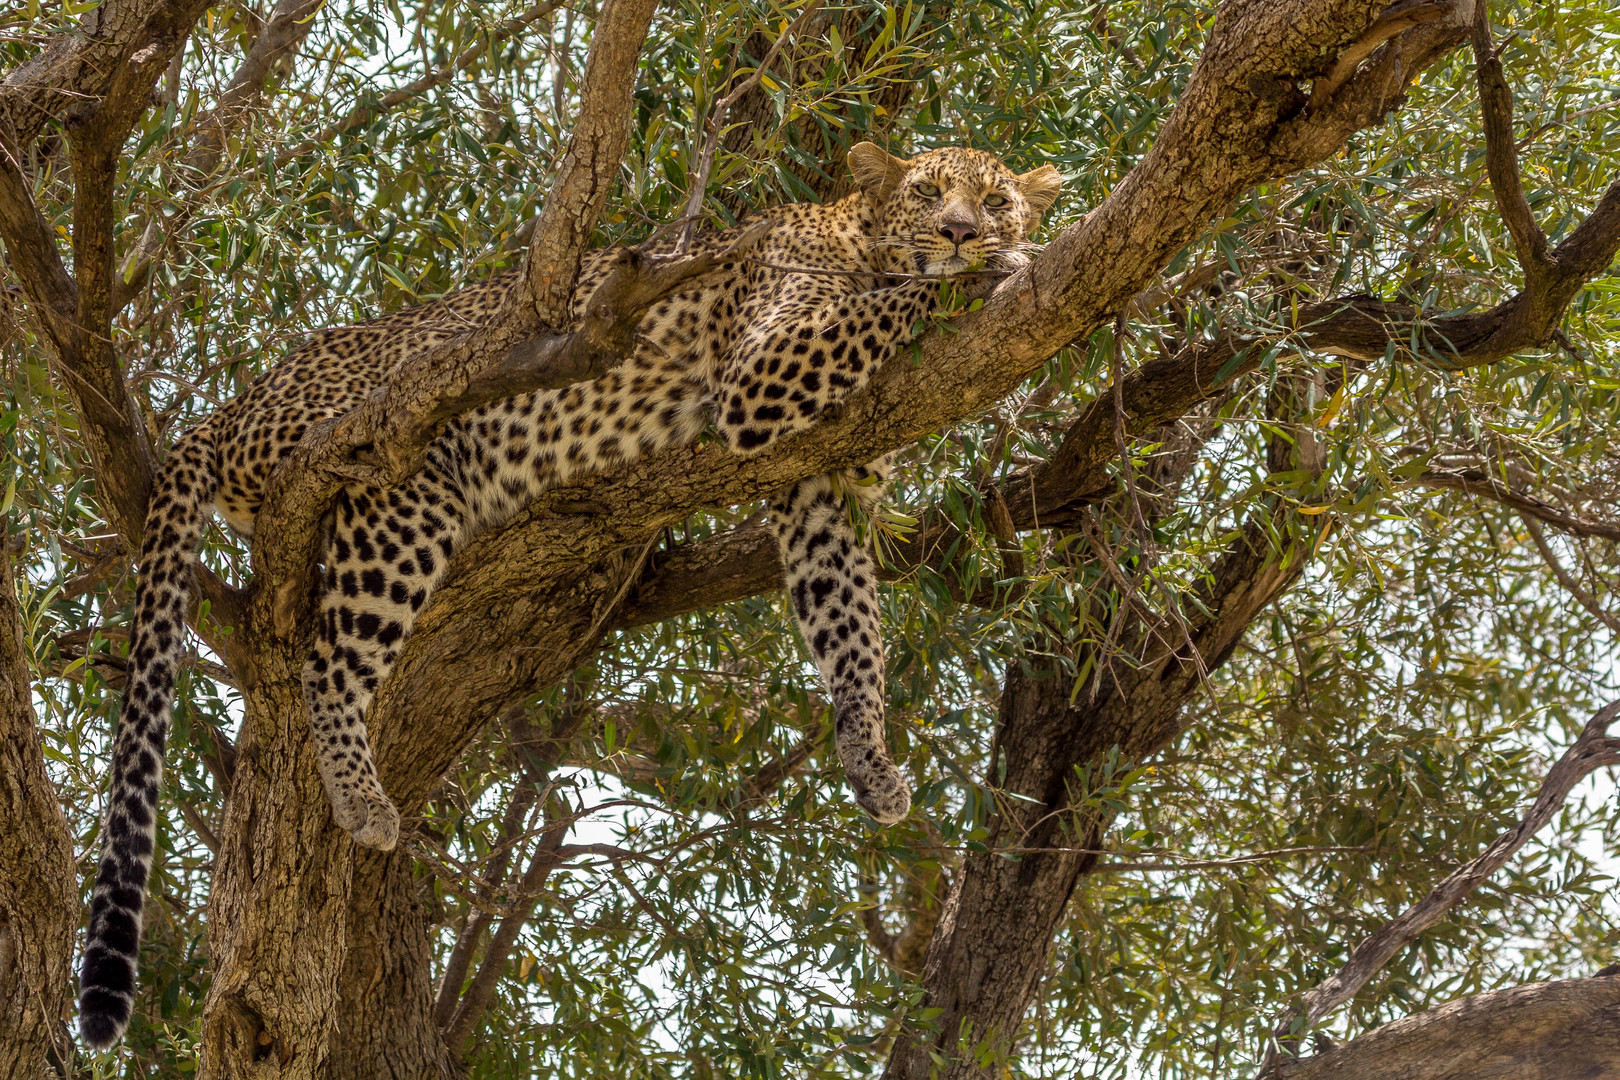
181	499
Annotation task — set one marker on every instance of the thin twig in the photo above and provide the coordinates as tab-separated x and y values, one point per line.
821	271
199	825
477	998
1566	579
699	181
361	114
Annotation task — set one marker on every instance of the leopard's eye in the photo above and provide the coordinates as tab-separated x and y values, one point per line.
928	191
994	201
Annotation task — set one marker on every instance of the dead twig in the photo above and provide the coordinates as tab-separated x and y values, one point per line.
1393	20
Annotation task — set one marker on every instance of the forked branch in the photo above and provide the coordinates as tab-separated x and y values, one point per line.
1392	22
698	183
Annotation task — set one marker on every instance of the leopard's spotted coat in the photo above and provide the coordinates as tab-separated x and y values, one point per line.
763	349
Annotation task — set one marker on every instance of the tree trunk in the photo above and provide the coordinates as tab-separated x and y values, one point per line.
435	703
385	1028
277	910
991	947
39	896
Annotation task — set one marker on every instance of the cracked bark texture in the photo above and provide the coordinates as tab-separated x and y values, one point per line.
542	579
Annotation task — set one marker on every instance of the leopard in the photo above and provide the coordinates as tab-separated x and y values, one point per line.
761	346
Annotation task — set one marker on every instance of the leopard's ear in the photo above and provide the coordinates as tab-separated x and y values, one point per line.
1040	187
876	170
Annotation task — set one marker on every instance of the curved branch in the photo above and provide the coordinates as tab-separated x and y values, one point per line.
1593	750
1566	579
1479	482
1502	154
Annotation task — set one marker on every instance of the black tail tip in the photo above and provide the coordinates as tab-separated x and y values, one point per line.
102	1018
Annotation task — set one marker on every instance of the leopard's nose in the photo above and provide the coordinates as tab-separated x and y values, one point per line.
958	233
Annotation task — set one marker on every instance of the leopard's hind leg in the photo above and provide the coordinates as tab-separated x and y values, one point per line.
832	580
389	551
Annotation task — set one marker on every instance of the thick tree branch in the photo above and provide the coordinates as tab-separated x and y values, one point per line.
1593	750
601	134
74	67
1545	1031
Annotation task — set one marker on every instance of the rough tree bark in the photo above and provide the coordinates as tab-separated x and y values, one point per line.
1546	1031
565	558
39	898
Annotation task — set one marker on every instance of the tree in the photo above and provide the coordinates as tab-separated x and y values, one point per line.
1251	561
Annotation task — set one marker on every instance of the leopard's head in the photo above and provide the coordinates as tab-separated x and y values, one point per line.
942	211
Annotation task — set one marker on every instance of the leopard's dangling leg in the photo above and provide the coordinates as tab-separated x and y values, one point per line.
832	581
389	550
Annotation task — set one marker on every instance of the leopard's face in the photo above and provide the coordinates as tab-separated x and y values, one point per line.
947	210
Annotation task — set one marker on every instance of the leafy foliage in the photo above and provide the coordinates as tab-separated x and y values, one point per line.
1376	727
